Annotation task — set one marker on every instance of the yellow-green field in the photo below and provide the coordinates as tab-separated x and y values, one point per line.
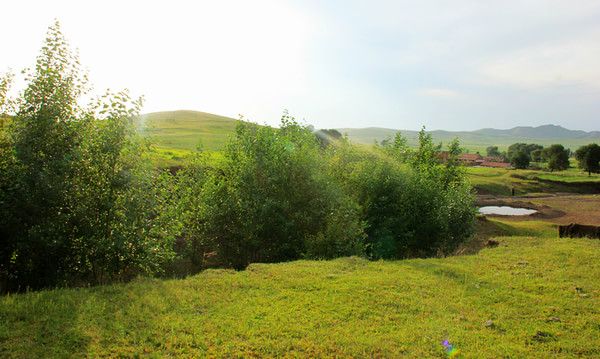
186	130
530	297
500	181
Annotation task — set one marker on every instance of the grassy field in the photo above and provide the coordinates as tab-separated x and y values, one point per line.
534	295
530	297
186	130
499	181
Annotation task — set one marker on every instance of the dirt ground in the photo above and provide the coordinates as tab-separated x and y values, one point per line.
559	209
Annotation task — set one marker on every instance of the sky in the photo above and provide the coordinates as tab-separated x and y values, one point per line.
453	65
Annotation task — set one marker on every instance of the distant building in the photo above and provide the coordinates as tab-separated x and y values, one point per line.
475	159
470	159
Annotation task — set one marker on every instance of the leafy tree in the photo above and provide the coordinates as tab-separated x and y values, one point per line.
588	158
453	169
79	202
516	149
397	147
408	210
557	157
273	199
520	160
425	157
493	151
5	103
538	155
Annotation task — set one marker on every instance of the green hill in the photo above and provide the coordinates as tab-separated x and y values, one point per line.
480	139
185	130
529	297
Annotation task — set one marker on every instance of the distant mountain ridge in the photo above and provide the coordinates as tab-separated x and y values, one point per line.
545	135
545	131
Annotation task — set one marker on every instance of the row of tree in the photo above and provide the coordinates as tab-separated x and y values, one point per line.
556	157
80	202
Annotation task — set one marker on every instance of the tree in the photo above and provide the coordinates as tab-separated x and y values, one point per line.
79	203
515	148
425	157
453	169
537	156
5	83
520	160
272	199
588	158
557	157
408	210
492	151
397	147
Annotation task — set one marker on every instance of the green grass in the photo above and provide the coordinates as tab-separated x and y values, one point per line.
348	307
185	130
499	181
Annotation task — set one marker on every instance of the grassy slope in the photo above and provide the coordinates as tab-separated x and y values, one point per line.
176	134
184	130
345	307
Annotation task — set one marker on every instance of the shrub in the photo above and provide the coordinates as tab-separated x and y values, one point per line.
79	203
271	200
408	210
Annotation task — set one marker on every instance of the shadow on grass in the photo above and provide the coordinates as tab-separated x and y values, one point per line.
41	324
78	322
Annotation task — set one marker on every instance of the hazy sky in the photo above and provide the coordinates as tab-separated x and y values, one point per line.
456	65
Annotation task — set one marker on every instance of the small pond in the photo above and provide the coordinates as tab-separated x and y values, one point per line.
506	211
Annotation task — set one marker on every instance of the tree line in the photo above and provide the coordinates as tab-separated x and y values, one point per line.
555	157
81	203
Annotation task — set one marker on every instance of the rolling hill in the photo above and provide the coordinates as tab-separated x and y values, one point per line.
185	130
480	139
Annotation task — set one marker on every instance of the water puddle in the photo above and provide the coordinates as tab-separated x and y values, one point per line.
506	211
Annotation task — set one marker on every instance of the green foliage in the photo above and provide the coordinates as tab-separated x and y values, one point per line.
271	200
493	151
588	158
516	149
520	159
79	203
5	103
538	155
557	157
328	136
397	147
420	209
425	156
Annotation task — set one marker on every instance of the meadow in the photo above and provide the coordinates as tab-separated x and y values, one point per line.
533	296
500	181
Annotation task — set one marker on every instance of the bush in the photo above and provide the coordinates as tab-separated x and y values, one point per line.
520	160
271	200
79	203
408	210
